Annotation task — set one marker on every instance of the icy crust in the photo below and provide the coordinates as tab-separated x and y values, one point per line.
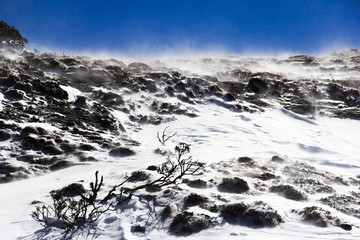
273	161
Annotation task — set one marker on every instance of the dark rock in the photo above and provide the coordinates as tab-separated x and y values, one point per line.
244	160
29	130
277	159
86	147
4	135
214	90
233	185
14	94
300	105
80	102
229	97
6	167
31	142
67	147
190	93
180	87
53	89
257	85
10	81
109	98
121	152
26	87
52	150
61	165
152	168
72	190
346	226
170	90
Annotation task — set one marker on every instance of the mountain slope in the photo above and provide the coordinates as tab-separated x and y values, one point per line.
276	139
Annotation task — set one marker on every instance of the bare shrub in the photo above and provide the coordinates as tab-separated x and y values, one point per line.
164	136
73	212
69	213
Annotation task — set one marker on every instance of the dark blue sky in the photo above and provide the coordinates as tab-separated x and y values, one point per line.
305	26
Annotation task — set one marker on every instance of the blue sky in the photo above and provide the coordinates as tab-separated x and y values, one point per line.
131	27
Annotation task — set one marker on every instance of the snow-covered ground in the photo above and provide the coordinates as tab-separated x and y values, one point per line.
323	149
216	136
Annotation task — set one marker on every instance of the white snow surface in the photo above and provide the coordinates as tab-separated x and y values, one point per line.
216	135
217	138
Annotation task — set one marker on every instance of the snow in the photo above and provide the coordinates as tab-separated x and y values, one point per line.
73	93
213	65
216	135
217	138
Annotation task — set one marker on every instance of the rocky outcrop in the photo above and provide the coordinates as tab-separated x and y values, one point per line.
77	96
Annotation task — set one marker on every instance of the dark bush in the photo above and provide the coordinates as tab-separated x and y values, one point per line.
258	214
194	199
321	218
187	223
198	183
289	192
166	212
138	229
267	176
138	176
233	185
4	135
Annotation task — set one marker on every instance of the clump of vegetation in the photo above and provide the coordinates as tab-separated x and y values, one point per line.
138	229
139	176
258	214
72	211
289	192
321	218
233	185
198	183
187	223
69	212
194	199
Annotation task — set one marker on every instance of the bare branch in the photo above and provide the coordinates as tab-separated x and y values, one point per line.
164	137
